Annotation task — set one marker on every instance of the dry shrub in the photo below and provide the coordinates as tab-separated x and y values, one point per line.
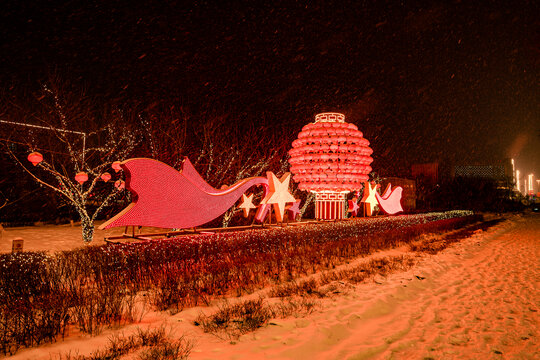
155	344
305	287
94	287
364	271
232	321
297	307
33	306
434	244
168	350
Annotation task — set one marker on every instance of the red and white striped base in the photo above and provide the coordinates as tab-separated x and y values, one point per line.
330	205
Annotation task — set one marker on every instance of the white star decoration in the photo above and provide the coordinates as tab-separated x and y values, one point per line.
278	194
247	204
369	198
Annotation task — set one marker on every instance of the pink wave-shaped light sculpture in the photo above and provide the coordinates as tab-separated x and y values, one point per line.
166	198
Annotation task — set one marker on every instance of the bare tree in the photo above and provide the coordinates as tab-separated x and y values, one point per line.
223	150
77	138
165	132
229	151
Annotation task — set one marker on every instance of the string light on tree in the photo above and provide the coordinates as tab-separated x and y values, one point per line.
80	189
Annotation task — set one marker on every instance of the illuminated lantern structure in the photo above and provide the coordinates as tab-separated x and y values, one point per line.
35	158
330	158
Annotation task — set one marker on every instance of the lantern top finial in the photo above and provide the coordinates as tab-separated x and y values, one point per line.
330	117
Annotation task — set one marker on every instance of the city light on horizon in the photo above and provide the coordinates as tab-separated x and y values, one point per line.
513	172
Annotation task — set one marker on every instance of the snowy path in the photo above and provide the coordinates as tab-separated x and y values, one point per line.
482	305
479	300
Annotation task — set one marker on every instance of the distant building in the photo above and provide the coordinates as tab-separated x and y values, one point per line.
479	171
429	172
408	197
499	172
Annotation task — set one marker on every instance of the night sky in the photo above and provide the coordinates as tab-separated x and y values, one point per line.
455	82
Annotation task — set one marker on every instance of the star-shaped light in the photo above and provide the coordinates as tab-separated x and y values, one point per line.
247	204
278	194
369	198
353	207
294	209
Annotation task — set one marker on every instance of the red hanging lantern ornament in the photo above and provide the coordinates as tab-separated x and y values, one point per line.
81	177
330	158
106	176
116	166
119	184
35	158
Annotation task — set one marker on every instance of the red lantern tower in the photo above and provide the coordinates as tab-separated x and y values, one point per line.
330	158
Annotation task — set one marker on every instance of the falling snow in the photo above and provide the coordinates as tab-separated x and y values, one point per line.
459	79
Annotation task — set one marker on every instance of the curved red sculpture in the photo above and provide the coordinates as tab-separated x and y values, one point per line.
330	158
167	198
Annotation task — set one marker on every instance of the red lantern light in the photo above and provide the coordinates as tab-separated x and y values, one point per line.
81	177
35	158
106	176
119	184
116	166
332	167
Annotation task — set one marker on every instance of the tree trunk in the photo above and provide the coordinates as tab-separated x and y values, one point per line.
227	217
87	229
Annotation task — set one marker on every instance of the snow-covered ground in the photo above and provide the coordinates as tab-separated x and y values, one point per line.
478	299
55	237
